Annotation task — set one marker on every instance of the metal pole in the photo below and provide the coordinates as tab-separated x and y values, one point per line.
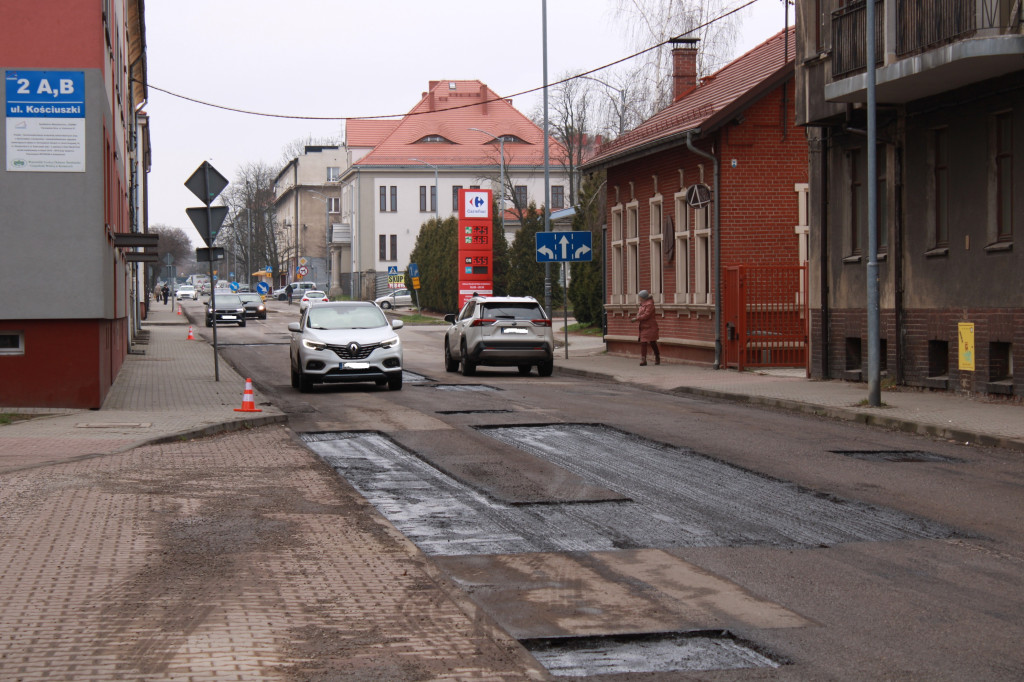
565	309
547	171
213	313
874	383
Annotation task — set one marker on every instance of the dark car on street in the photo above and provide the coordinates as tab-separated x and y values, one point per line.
254	306
229	309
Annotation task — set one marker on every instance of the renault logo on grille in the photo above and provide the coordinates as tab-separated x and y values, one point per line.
353	349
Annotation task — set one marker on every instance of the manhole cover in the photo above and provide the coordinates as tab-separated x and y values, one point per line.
472	411
895	455
657	653
465	387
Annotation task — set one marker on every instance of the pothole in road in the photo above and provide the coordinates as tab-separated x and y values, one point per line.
692	501
654	653
896	456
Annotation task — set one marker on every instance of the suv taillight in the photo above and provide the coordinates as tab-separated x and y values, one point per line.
542	323
483	321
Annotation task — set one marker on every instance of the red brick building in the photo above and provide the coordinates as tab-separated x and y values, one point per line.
72	197
733	132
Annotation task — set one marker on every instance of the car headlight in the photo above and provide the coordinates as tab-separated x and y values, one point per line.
240	310
313	345
261	308
389	343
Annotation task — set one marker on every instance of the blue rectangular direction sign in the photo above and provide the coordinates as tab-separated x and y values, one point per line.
571	247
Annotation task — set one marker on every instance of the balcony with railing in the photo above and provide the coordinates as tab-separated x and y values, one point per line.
924	46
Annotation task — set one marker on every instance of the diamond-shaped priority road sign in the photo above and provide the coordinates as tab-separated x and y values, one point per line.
206	183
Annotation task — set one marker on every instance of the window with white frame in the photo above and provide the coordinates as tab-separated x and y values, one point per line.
455	198
682	246
632	248
334	204
12	343
657	286
702	255
618	243
332	173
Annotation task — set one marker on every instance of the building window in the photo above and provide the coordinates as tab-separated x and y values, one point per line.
1004	177
632	248
394	198
433	197
334	204
455	198
382	247
657	286
557	196
520	196
423	198
702	255
383	198
12	343
682	250
940	185
858	203
394	248
617	255
332	173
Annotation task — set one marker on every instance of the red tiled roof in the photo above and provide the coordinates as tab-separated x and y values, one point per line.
449	109
368	132
719	97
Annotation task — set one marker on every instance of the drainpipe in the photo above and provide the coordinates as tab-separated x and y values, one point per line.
717	245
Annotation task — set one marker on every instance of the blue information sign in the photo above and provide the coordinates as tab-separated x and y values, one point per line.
572	247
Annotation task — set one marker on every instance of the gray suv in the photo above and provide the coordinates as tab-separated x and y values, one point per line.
505	331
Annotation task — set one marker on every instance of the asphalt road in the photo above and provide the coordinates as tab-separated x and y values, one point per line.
574	508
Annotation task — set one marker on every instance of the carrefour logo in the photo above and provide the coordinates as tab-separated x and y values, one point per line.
477	205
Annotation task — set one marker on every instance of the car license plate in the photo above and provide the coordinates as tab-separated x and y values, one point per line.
355	365
228	317
514	330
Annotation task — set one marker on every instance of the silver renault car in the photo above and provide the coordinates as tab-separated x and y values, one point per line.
345	341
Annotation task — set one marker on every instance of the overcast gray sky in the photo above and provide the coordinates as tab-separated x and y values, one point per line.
349	58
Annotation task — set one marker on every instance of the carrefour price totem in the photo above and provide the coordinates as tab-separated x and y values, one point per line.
476	246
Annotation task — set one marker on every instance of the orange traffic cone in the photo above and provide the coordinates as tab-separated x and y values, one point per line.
179	309
190	337
248	403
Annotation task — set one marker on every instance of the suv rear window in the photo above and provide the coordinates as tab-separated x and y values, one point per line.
513	311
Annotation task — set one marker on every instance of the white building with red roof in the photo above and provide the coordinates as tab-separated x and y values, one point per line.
403	173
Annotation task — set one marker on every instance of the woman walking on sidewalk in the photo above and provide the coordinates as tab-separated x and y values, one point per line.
648	328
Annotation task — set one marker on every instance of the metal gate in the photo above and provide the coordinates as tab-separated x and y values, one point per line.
764	309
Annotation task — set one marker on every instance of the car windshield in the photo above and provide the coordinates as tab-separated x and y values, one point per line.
186	287
512	311
228	300
250	298
345	317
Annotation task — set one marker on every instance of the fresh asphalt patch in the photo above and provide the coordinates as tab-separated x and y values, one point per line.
692	501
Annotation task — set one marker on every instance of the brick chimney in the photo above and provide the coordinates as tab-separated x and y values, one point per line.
684	67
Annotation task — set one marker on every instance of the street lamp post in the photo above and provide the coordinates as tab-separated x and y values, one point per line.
436	188
501	144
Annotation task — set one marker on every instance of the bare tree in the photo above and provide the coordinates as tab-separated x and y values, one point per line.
173	241
250	230
297	147
571	110
650	22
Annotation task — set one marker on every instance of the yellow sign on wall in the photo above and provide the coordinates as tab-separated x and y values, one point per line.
966	334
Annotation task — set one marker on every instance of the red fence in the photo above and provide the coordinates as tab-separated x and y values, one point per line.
764	309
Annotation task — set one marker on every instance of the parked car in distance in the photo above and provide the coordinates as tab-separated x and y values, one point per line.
186	291
505	331
254	306
311	297
298	289
227	308
396	299
345	341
